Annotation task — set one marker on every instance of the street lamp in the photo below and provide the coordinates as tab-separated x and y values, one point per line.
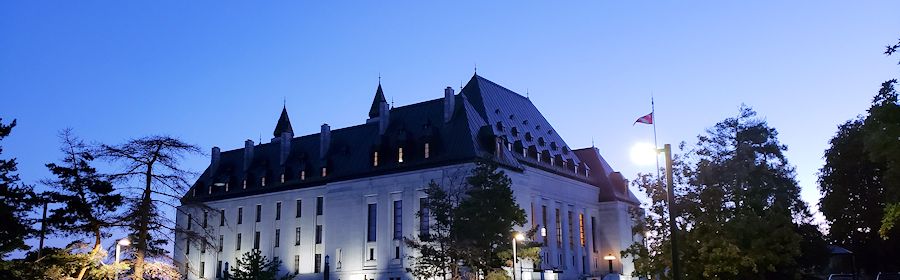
119	244
610	258
639	154
516	238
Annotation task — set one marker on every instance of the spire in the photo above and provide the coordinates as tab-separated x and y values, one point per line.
376	102
284	124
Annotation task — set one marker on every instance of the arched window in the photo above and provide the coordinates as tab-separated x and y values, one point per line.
302	175
427	150
324	171
400	154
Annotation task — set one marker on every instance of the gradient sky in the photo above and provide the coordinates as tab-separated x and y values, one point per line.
215	73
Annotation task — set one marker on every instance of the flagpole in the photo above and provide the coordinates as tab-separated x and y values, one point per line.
655	144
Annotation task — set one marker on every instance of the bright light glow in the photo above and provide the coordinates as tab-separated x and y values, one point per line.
544	231
519	237
643	154
609	257
124	242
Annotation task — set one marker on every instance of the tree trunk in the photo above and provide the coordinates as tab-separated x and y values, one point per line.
143	226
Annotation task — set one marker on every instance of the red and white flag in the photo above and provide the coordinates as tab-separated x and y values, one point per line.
647	119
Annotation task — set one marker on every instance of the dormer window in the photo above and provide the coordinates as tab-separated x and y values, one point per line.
262	181
528	136
400	155
245	183
541	141
375	159
427	150
210	189
324	171
194	192
499	126
514	131
226	186
282	178
302	175
509	146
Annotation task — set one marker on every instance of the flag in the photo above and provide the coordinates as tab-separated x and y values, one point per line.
647	119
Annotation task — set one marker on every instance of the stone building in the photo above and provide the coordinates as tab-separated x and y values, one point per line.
348	196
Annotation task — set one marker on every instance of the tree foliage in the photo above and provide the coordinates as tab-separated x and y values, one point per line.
254	266
89	202
153	179
460	234
737	206
18	200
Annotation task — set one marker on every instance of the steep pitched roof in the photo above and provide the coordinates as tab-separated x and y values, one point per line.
376	102
284	124
487	119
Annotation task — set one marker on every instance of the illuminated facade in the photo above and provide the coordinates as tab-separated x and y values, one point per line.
342	200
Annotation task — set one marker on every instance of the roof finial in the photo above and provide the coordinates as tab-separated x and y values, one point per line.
392	102
284	101
379	78
527	94
476	68
592	141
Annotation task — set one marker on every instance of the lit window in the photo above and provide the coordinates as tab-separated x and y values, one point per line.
324	171
262	181
282	178
210	189
581	228
245	183
427	150
375	160
400	154
226	186
302	175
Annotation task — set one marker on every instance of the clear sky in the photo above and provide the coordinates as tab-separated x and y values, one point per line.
215	73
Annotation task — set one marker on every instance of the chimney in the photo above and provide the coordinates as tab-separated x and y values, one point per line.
384	118
285	144
214	158
324	140
449	103
248	154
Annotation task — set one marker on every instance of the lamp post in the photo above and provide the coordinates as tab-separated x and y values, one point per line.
610	258
516	238
640	155
119	244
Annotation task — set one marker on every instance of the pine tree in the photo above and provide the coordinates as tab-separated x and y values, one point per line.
89	204
18	200
254	266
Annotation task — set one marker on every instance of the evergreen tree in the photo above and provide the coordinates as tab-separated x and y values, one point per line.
254	266
152	163
89	204
18	200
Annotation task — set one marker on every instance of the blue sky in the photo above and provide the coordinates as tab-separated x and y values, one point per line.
215	73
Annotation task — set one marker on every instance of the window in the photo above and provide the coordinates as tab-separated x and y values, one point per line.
256	240
282	178
202	269
299	208
571	232
371	254
400	154
237	244
194	192
296	264
187	248
221	242
318	234
427	150
319	201
226	186
318	266
302	175
277	237
278	210
189	221
398	219
558	230
372	222
424	218
210	189
544	221
375	159
219	269
297	236
240	215
324	171
594	234
205	222
221	217
203	247
258	213
244	183
262	181
581	228
396	252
